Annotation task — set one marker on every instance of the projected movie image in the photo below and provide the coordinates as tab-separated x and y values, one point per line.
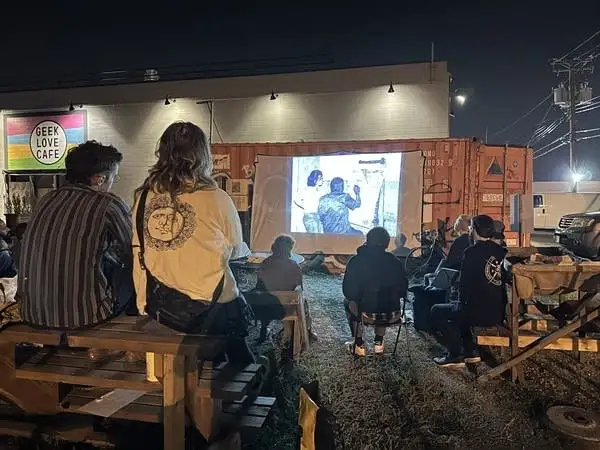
346	193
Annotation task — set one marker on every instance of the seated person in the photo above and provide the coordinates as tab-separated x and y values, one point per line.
454	258
374	283
17	238
482	296
279	272
8	268
425	296
401	250
75	259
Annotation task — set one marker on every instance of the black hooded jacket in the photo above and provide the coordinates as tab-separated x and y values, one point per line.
375	280
482	290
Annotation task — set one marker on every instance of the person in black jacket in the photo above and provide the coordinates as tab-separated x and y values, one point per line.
482	296
374	283
426	295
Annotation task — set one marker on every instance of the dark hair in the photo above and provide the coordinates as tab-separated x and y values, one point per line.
282	246
313	177
89	159
337	185
498	230
184	161
378	237
484	226
20	229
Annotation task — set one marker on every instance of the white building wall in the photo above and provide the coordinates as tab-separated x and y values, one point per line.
414	110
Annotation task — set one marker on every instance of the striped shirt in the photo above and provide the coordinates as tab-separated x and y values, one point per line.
61	282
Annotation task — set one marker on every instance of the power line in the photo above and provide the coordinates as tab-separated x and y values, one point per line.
551	150
523	116
540	135
577	47
551	143
539	124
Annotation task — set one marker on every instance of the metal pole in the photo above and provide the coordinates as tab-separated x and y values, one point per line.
210	128
572	100
486	134
432	62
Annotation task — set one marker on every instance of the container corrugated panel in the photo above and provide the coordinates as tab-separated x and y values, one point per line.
460	176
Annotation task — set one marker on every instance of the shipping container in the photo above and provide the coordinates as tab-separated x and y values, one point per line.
461	176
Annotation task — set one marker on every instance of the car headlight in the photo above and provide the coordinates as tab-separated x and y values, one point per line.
582	222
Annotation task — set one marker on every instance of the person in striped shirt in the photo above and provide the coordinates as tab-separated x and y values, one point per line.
75	267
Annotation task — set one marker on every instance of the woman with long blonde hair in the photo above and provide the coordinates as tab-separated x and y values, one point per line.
185	232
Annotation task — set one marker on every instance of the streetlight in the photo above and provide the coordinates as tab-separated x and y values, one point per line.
576	177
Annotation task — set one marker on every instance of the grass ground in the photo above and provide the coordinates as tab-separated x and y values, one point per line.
407	402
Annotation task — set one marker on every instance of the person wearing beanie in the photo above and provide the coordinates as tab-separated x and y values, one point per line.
482	297
374	283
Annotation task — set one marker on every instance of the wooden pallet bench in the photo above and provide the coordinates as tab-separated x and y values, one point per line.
291	305
186	377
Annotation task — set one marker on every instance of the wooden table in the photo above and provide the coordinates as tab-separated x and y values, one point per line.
530	280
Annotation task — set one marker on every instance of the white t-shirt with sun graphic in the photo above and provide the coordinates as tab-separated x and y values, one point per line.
188	244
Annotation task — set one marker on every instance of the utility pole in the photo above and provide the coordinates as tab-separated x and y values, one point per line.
573	91
572	99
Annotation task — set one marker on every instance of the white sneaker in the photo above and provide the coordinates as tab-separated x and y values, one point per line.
378	348
358	350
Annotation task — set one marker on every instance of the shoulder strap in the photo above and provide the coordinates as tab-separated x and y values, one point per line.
139	226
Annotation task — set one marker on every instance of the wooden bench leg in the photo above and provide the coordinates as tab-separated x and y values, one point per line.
205	411
305	338
289	333
297	339
174	402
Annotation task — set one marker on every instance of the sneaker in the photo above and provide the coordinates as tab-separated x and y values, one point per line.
358	350
450	361
378	348
472	358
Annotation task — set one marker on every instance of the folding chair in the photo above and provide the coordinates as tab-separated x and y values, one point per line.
368	321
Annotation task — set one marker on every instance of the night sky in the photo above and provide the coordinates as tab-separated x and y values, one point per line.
499	54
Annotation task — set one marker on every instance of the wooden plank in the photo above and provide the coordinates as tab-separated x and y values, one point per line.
79	376
17	428
206	347
134	411
207	410
258	401
226	390
236	408
564	344
81	396
72	359
254	422
174	402
539	345
23	333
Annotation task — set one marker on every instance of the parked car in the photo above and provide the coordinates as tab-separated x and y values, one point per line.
580	233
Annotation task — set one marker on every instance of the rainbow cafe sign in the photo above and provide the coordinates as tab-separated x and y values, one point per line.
40	142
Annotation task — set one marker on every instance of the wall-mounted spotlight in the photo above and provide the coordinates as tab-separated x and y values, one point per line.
167	102
72	107
391	89
274	95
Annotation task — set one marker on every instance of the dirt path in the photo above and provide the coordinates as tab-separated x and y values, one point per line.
407	402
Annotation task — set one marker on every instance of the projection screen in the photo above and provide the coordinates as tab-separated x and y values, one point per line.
329	202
